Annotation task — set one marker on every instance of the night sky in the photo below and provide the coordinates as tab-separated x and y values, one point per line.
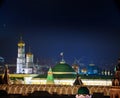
83	29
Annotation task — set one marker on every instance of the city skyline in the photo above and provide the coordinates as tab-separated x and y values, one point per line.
86	30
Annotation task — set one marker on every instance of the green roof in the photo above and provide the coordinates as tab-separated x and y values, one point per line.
73	76
62	67
83	90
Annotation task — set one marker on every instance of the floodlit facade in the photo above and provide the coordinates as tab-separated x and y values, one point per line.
21	56
24	61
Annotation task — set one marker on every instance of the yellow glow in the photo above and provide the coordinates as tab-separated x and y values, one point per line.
64	72
21	75
29	54
21	44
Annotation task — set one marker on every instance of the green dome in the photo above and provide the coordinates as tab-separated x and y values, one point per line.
63	70
83	90
62	67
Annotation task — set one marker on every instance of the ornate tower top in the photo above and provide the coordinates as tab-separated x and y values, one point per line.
21	42
29	52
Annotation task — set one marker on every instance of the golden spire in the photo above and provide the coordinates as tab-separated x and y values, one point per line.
21	42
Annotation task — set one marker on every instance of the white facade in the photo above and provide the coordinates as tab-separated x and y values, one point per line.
21	57
92	82
29	61
24	63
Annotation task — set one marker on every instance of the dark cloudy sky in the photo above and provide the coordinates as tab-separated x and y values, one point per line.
86	29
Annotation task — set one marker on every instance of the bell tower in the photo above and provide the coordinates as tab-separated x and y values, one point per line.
21	56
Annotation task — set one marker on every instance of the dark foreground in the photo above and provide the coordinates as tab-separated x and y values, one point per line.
45	94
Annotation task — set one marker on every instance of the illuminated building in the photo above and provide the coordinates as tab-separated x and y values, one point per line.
24	64
21	56
92	69
63	70
80	68
29	63
62	73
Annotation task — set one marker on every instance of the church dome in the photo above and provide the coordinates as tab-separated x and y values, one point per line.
83	90
63	68
29	54
21	43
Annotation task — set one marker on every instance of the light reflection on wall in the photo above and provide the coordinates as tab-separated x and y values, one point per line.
70	82
97	82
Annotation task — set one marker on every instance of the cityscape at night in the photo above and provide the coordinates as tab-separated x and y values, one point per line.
56	43
84	30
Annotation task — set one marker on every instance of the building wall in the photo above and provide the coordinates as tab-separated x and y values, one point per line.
93	82
58	89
